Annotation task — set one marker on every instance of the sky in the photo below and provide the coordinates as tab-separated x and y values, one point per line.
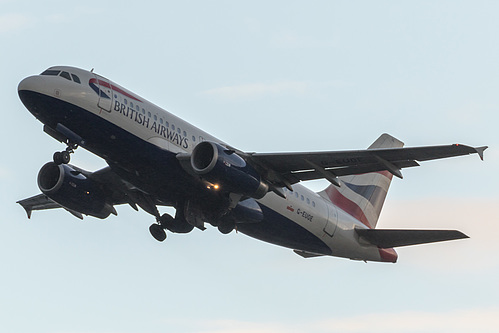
264	76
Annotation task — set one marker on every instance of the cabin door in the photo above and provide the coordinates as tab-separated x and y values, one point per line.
332	221
105	94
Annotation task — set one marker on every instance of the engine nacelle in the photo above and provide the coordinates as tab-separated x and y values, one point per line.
73	190
226	169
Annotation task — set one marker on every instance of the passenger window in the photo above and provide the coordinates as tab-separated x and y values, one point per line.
143	111
131	105
308	201
75	78
296	194
137	108
161	121
313	203
179	131
166	124
51	72
126	102
155	117
185	133
65	75
149	114
193	138
173	127
302	198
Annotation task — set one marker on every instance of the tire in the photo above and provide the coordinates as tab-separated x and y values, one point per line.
58	158
65	157
226	227
157	232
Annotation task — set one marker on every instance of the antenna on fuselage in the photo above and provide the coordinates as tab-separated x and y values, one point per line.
92	70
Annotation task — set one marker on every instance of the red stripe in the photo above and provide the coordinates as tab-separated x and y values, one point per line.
115	88
347	205
385	173
388	255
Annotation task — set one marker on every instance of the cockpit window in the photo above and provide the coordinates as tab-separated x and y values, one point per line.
65	75
75	78
51	72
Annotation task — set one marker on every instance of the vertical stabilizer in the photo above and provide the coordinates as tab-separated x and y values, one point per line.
362	196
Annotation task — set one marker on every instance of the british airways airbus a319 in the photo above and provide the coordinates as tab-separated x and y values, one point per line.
157	159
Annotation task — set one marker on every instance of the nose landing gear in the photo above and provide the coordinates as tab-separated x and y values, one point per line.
63	157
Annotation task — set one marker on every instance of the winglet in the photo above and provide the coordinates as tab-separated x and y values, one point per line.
480	151
27	208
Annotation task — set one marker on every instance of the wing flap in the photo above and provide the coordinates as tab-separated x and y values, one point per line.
388	238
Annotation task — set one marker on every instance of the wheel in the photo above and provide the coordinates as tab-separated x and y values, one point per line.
157	232
226	227
58	159
167	221
175	225
65	157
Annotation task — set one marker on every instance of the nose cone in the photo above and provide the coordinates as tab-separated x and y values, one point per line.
28	90
31	83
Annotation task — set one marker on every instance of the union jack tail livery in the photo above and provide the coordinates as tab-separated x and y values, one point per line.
362	196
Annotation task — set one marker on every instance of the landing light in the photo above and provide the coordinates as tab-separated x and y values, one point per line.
212	186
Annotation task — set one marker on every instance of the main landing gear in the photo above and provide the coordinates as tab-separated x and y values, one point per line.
63	157
157	230
177	225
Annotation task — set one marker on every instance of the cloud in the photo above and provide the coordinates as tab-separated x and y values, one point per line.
13	22
460	321
235	326
258	90
473	320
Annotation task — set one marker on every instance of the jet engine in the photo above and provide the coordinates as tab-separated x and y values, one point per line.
225	169
73	190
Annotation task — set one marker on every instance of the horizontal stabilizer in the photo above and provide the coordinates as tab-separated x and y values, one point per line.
389	238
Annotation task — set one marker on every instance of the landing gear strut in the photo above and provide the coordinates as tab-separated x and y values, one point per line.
63	157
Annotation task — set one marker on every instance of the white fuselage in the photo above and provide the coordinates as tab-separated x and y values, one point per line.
152	124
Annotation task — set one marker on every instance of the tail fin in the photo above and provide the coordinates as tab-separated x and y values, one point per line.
362	196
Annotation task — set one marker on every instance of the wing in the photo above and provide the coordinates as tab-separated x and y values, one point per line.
284	169
117	191
42	202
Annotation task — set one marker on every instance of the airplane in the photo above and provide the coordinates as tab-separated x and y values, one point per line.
156	159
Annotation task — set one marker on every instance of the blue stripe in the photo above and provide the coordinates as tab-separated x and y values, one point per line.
371	192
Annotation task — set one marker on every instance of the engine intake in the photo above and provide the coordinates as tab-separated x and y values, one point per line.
73	190
225	168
